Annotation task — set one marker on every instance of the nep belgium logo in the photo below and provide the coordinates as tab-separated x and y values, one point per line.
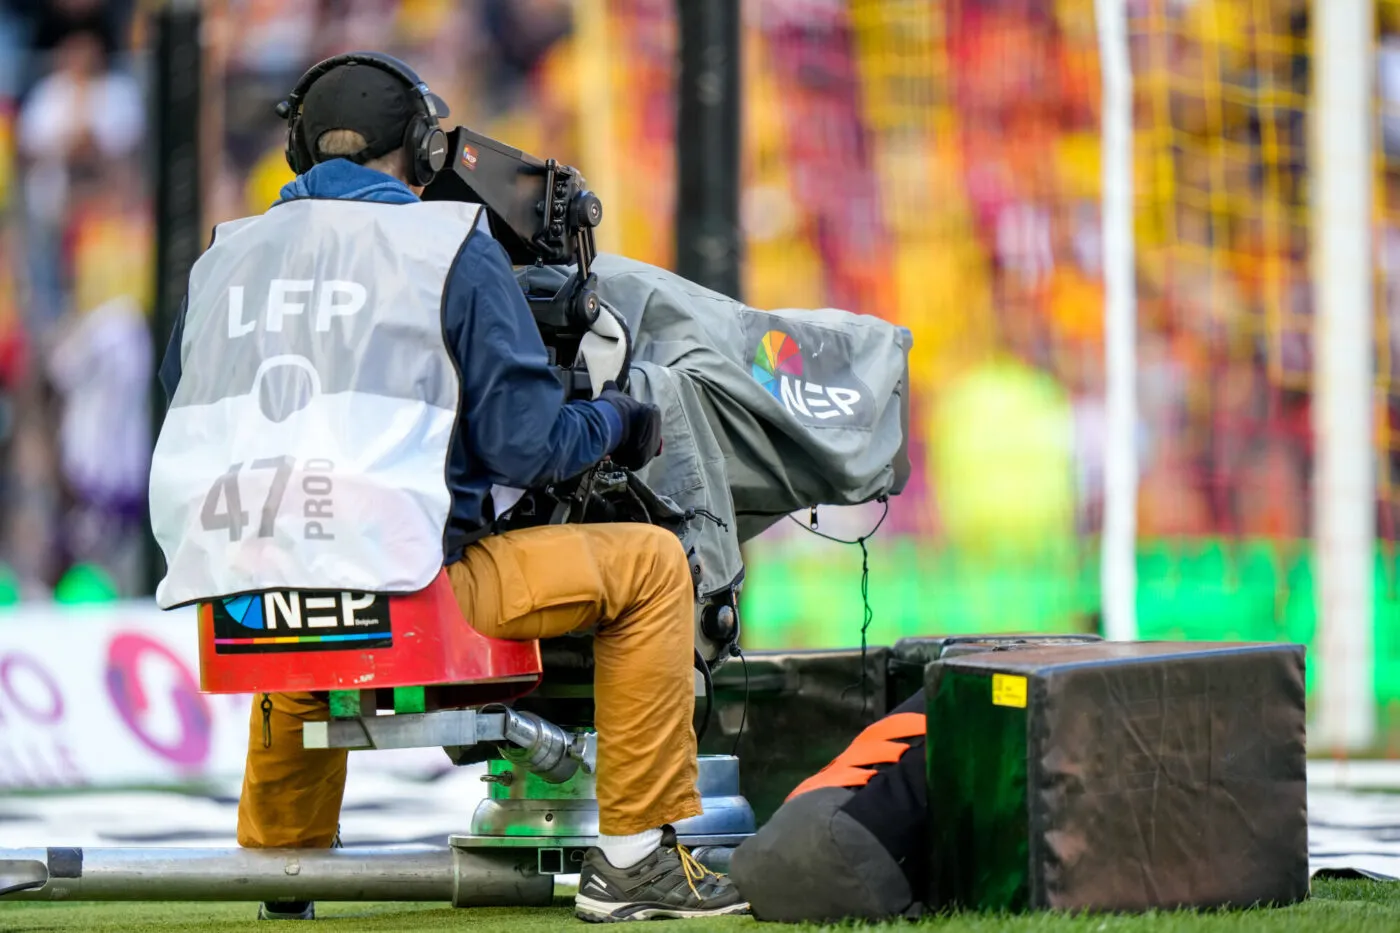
297	620
779	367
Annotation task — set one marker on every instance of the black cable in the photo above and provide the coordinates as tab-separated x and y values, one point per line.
641	506
587	494
744	718
883	500
704	670
706	513
869	614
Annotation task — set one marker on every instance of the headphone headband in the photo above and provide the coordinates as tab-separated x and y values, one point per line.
386	63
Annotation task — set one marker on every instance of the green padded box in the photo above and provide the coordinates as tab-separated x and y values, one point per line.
1118	777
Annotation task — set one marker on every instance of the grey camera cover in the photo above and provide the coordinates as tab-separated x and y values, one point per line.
765	412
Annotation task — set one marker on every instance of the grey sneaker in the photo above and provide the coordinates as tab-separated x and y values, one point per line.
667	884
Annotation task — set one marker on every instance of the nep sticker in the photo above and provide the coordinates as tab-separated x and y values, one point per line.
1008	690
301	620
469	158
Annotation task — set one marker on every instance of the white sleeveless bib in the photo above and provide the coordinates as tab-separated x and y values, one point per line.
307	443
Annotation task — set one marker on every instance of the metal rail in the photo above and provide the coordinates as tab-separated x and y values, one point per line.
418	873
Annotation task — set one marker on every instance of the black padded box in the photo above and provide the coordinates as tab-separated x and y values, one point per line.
1118	777
910	656
798	710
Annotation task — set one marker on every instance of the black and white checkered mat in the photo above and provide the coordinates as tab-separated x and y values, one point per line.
379	809
1349	829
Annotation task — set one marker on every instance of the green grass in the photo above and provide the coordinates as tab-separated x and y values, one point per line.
1335	907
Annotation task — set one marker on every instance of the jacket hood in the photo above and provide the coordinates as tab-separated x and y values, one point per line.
343	180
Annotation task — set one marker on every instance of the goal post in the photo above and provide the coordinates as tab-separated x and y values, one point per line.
1118	572
1344	492
1340	170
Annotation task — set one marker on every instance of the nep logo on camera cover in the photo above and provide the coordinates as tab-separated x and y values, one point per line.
815	386
296	620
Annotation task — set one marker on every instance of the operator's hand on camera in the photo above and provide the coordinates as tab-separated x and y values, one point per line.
641	428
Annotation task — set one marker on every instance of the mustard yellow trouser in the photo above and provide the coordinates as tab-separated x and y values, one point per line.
629	583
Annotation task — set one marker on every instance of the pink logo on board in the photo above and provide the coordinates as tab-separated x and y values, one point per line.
127	655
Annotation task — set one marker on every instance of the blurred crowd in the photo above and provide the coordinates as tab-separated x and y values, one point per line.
952	157
932	161
1220	91
76	241
75	347
77	354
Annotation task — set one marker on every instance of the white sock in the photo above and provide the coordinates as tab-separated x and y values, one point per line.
626	851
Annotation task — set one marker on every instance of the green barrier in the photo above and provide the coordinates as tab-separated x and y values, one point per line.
85	584
806	594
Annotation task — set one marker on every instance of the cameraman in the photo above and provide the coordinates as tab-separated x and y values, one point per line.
365	126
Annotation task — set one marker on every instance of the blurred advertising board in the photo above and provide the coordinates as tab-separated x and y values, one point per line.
108	696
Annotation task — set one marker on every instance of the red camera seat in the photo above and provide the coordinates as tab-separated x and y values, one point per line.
343	643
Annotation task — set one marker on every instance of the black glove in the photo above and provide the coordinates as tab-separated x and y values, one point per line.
641	428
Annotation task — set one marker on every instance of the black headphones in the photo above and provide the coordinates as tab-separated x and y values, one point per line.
424	139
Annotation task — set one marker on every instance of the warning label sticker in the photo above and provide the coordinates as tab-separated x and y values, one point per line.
1008	690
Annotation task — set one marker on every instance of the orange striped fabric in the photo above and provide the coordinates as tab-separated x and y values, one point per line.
877	745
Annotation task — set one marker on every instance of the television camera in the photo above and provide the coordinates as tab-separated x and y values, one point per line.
542	213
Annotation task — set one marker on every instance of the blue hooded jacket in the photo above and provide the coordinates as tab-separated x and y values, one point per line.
515	427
